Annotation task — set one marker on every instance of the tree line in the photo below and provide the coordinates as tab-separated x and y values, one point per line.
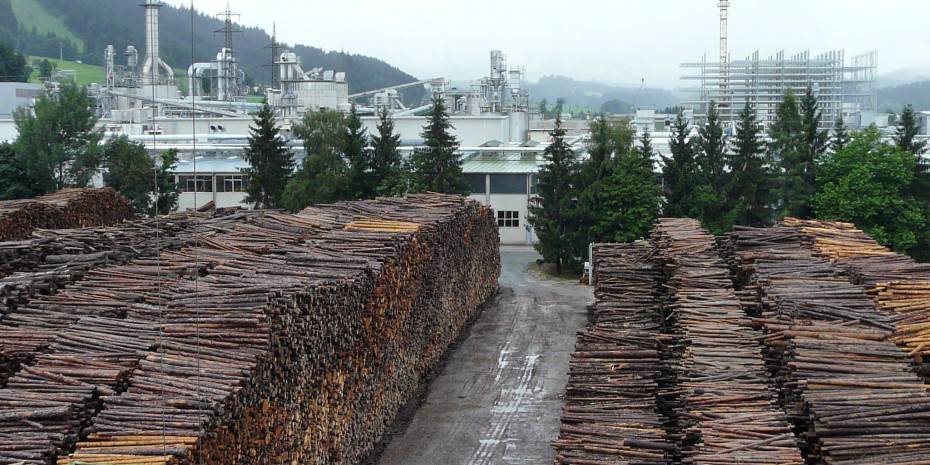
799	170
58	146
343	162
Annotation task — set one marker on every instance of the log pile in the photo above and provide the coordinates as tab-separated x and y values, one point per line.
727	410
52	259
612	406
68	208
849	391
298	343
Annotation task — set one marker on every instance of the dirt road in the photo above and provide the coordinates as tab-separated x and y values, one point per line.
498	399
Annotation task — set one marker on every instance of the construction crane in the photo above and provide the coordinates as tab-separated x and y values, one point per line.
724	58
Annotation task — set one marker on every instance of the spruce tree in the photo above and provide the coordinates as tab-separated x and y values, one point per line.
362	181
645	148
608	141
905	135
437	167
632	199
678	171
748	192
387	164
711	177
167	189
271	163
130	171
785	151
550	209
840	137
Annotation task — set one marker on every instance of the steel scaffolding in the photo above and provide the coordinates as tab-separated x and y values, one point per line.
842	90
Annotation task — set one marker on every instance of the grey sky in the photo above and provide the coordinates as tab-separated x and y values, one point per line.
616	41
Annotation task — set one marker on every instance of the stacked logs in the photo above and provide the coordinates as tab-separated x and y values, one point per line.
302	339
612	406
726	409
899	285
52	259
68	208
848	390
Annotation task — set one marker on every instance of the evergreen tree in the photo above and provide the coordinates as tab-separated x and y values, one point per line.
362	181
679	170
14	183
550	209
748	193
840	135
168	190
632	199
905	135
608	140
387	164
645	148
709	202
437	167
270	161
57	144
799	165
785	151
322	176
13	66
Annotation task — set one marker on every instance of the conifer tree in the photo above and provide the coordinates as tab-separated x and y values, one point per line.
550	209
362	181
679	170
271	163
785	151
645	148
387	164
437	167
632	198
840	137
608	141
905	136
166	200
708	204
748	193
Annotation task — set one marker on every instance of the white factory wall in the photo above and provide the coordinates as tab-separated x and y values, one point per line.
222	199
8	130
471	131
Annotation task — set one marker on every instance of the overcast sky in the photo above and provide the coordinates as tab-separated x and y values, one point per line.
614	41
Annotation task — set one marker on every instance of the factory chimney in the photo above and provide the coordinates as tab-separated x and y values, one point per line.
153	63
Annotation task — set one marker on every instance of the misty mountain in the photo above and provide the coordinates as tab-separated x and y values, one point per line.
120	23
594	94
896	97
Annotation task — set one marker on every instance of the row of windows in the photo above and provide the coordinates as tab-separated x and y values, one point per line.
501	183
205	183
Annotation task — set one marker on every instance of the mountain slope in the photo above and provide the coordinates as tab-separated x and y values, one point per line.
594	94
120	23
30	14
896	97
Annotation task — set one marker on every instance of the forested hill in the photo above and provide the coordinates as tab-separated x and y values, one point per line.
896	97
99	23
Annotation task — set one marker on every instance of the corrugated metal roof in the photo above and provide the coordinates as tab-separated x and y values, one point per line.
524	166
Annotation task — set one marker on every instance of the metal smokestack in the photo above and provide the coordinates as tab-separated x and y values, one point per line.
153	64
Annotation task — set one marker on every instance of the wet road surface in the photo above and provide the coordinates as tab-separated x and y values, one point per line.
499	398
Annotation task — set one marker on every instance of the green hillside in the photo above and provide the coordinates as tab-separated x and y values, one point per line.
30	14
85	74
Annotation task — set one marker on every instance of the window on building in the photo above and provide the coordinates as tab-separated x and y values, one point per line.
200	183
476	182
231	183
533	182
508	219
508	184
